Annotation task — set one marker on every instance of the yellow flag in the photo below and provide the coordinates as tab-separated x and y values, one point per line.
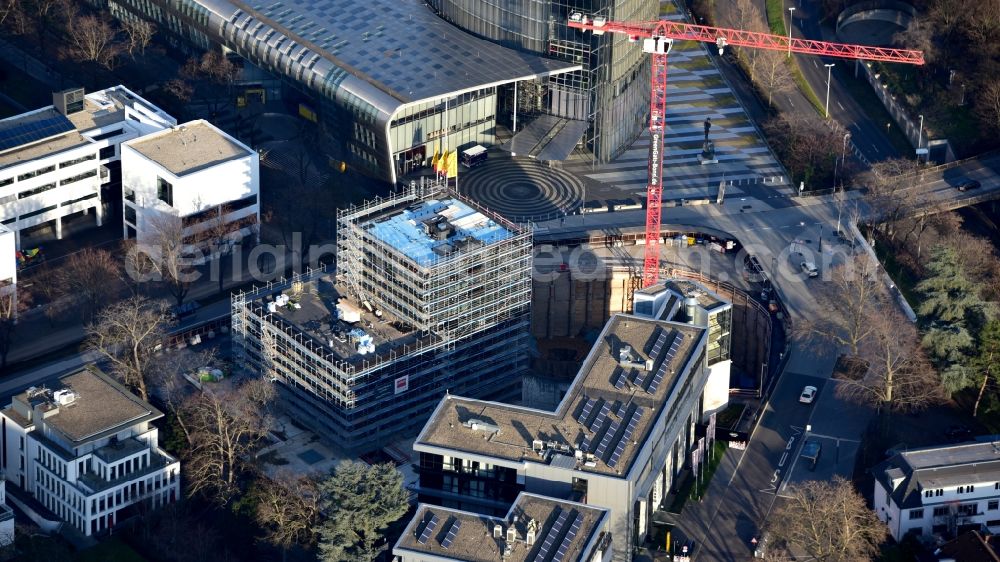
436	159
442	167
452	164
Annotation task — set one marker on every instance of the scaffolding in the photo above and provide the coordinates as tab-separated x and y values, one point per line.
464	319
453	295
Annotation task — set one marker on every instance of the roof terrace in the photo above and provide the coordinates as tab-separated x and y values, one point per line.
601	423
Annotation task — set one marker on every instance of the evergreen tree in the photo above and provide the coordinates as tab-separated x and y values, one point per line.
359	502
949	296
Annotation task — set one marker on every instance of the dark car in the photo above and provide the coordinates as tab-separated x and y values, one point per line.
185	310
969	184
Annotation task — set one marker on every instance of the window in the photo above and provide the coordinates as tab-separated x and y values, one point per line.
78	177
993	523
108	135
68	163
37	172
165	191
928	493
968	509
107	152
940	512
130	214
993	505
939	492
916	514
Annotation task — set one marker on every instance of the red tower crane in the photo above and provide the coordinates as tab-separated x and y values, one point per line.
657	38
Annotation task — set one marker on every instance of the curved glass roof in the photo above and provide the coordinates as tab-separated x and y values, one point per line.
399	46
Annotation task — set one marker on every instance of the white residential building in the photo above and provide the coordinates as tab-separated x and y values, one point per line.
87	450
54	161
945	490
191	173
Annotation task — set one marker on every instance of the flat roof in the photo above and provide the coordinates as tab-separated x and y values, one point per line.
101	406
691	289
316	316
606	413
572	526
399	46
434	229
189	147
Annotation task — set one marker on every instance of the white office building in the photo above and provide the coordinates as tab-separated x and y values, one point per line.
8	263
944	490
193	173
619	439
87	450
54	161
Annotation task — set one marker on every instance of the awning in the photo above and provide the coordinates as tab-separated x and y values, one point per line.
547	138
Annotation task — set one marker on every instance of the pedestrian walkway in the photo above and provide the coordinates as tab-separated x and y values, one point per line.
697	92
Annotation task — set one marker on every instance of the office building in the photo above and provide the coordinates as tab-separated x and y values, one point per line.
619	438
690	302
59	164
609	95
940	491
8	269
535	528
195	174
391	82
6	516
431	296
87	450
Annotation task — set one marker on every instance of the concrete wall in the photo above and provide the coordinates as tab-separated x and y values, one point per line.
563	306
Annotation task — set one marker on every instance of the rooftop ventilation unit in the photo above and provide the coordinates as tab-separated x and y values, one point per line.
64	396
68	102
480	425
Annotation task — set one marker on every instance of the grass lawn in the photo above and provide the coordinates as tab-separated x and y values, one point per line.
690	488
111	549
776	21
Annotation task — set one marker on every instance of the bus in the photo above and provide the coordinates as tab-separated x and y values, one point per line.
474	156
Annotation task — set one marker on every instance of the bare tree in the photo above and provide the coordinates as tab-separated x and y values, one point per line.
139	33
828	520
13	302
886	195
127	334
170	251
222	236
287	510
94	39
772	75
89	279
857	293
225	426
988	103
899	375
212	76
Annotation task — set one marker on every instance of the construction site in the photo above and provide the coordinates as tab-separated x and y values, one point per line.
430	295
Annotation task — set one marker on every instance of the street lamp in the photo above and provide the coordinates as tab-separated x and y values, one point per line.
790	11
920	132
829	70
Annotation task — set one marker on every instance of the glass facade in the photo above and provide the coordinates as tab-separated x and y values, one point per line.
611	91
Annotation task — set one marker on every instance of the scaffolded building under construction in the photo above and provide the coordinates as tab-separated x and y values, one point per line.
431	294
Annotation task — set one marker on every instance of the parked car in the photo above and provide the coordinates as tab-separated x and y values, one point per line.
809	268
808	395
810	453
969	184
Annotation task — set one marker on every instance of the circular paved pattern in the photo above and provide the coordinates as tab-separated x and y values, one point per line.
522	189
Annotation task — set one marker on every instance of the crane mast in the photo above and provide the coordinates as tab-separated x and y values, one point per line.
657	38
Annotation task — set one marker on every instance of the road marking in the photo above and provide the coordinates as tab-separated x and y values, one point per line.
790	101
816	64
876	148
840	106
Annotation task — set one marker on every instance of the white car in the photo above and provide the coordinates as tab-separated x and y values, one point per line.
808	395
809	268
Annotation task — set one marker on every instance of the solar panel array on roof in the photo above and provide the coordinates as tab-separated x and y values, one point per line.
450	538
428	530
568	539
550	537
606	440
588	408
33	130
658	346
585	445
640	378
621	409
601	416
633	423
665	364
618	377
